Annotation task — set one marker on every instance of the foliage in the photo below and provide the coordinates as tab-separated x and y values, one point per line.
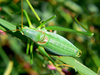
13	43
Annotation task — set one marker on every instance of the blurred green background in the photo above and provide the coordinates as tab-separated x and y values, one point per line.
13	46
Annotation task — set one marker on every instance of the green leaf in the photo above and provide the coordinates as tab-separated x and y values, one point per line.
68	30
7	10
2	28
7	24
73	6
76	65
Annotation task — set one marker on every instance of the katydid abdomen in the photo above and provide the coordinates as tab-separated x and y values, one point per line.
53	43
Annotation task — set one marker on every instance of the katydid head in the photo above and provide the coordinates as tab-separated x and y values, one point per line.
34	34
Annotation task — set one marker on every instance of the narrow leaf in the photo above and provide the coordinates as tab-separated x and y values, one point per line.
7	24
76	65
68	30
8	68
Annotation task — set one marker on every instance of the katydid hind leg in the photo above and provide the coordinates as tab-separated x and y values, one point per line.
43	52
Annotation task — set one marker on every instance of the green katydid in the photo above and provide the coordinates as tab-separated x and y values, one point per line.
47	39
53	43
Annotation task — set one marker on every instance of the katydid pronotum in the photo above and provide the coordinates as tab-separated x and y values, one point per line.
52	42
